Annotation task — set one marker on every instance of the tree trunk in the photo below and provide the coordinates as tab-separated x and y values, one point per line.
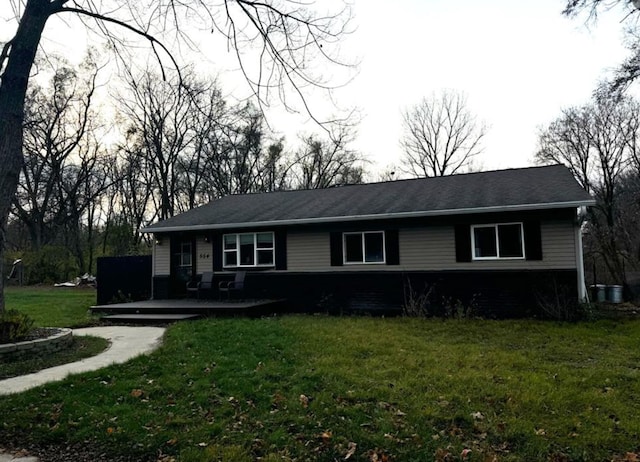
13	88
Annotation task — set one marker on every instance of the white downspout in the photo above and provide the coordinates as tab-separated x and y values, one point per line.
582	285
153	265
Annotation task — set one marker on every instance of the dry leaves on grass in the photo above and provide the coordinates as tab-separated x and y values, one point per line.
377	455
351	450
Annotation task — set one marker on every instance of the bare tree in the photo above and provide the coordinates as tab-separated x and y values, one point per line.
59	125
323	163
597	142
441	137
195	163
161	113
285	33
629	11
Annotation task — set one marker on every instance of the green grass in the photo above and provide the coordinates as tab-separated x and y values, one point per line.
312	387
53	306
80	348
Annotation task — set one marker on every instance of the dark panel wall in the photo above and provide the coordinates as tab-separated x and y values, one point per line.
492	294
124	278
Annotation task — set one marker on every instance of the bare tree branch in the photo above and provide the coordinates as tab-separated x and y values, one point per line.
441	137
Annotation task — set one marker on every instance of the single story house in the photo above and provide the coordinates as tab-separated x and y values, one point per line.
497	240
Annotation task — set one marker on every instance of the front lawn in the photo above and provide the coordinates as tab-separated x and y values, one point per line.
365	389
52	306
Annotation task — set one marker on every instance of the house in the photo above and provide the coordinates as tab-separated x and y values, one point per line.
498	240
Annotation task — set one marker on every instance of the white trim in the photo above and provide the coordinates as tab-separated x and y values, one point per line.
381	216
255	250
495	227
582	285
363	262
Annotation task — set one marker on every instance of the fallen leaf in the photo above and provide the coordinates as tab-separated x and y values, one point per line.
351	450
136	393
304	400
203	445
477	415
326	437
465	454
442	455
540	431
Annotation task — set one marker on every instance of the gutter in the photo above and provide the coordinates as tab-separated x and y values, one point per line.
382	216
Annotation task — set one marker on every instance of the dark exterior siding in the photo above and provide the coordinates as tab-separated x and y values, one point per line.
123	278
494	294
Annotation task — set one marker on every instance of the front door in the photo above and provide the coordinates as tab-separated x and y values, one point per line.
182	262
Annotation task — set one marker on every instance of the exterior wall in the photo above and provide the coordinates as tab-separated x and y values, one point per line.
432	248
308	251
162	258
492	294
425	256
204	255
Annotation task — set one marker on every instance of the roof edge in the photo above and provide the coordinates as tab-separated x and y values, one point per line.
382	216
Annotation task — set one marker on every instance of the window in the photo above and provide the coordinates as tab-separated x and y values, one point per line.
499	241
365	247
184	257
248	249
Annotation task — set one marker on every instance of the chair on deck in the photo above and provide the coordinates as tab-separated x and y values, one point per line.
205	283
237	285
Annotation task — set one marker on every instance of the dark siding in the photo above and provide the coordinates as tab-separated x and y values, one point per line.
335	243
280	237
463	243
490	294
392	249
532	240
216	241
123	278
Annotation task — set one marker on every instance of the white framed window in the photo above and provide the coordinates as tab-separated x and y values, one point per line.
248	250
363	247
500	241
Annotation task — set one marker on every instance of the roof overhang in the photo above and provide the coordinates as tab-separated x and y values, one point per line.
381	216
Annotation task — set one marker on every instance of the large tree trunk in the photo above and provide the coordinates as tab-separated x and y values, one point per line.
13	88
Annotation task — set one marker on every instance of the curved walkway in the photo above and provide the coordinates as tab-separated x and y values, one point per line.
126	343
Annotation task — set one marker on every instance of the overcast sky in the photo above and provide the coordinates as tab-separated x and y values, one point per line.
518	62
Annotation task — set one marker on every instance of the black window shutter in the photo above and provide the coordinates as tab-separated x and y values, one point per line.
216	242
392	247
463	243
532	240
335	244
280	238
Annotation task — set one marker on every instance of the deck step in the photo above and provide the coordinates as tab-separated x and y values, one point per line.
254	307
148	318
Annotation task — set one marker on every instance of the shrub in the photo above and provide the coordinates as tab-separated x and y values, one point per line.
557	301
50	264
417	304
14	326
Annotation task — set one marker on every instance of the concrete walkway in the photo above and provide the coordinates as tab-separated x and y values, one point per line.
126	343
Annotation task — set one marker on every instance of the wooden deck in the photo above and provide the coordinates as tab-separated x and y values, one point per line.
192	307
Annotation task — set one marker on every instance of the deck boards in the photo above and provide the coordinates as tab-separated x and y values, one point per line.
191	307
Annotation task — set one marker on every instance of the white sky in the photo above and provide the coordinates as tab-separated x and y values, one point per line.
519	62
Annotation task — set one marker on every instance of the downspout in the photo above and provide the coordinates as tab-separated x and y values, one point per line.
582	286
153	267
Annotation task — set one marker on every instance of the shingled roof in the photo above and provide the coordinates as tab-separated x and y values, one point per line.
501	190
